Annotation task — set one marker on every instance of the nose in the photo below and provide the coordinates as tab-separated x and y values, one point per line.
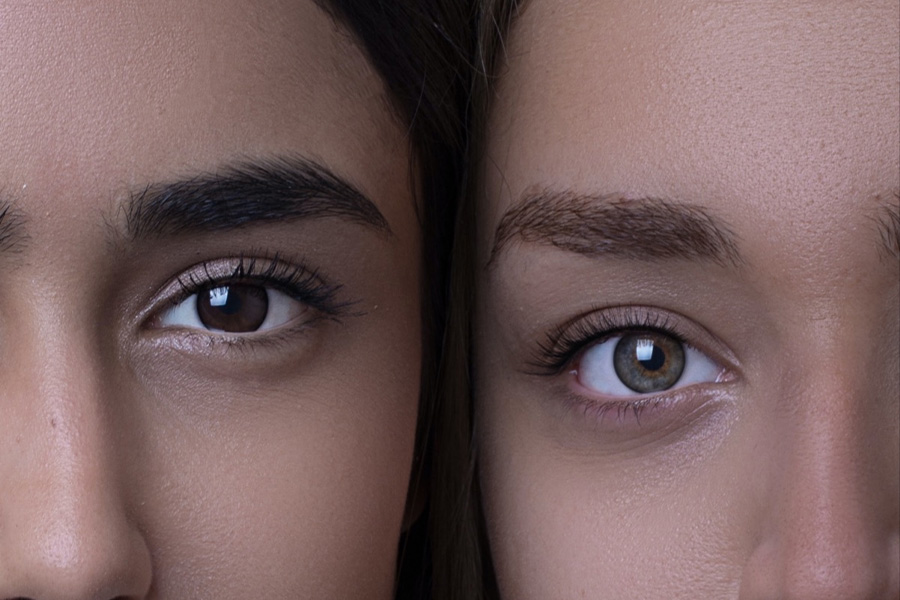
66	530
832	514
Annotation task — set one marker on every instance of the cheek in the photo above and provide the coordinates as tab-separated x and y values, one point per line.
277	505
578	523
293	484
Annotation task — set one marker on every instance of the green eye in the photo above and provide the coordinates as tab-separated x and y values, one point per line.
643	362
648	362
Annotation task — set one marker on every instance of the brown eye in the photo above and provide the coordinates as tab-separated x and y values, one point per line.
233	308
648	361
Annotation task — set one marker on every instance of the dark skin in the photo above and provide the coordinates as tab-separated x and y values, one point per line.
152	451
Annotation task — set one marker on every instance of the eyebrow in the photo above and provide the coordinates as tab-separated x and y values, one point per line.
12	228
248	193
646	229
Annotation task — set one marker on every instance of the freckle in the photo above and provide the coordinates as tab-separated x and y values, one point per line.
53	423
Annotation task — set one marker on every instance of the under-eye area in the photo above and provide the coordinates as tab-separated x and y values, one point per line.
255	299
633	367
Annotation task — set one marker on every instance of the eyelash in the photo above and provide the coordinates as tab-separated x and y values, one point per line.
291	277
563	343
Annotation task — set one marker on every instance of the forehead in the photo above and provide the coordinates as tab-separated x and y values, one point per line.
102	95
791	106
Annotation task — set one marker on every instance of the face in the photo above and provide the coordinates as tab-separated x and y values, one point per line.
687	319
209	305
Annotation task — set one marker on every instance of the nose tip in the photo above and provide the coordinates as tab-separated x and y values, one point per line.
832	527
69	556
827	568
67	529
73	546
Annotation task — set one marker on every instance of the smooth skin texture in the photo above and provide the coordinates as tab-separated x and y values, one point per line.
779	124
143	458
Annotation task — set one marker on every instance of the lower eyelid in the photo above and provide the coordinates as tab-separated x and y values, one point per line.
646	418
226	346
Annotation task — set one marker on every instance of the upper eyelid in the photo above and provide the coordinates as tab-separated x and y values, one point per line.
195	285
556	342
621	318
225	269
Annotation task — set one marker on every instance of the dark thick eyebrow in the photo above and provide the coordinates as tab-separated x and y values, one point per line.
248	193
12	228
645	229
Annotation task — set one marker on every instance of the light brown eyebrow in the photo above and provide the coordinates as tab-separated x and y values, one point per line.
12	228
645	229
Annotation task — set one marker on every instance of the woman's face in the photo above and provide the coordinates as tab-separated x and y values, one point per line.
209	305
688	344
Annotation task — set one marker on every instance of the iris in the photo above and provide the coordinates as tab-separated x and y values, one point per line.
233	308
648	361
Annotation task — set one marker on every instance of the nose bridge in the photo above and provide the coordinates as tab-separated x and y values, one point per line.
833	530
65	529
831	501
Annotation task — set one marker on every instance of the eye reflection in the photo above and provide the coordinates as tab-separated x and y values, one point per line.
643	362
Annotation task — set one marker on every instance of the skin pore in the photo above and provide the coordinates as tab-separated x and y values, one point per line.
719	180
162	162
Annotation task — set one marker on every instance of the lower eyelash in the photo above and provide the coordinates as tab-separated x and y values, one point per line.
241	343
635	408
670	410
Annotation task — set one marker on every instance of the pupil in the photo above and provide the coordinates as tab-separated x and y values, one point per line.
655	361
233	308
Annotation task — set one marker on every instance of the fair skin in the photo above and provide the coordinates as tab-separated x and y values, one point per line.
720	177
154	450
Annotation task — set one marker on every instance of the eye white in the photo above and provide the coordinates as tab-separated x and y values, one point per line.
597	372
282	309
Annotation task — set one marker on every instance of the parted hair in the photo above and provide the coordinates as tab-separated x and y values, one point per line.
462	563
423	50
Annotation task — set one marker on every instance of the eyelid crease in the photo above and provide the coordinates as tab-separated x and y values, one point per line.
669	414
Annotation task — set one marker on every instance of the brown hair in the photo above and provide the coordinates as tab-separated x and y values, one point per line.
462	563
422	50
